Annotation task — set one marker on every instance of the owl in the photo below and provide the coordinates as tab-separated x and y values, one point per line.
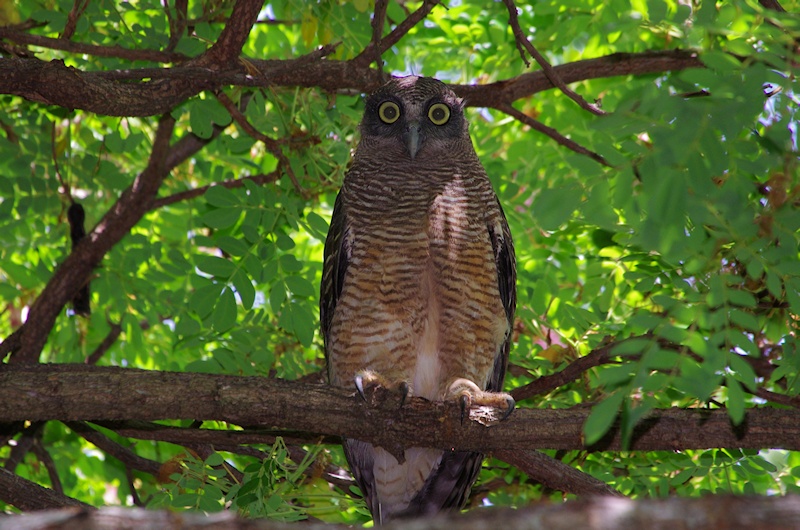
418	287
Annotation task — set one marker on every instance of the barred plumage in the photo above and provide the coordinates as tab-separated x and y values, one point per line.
418	288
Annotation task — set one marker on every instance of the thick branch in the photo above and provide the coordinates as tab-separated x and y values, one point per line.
598	513
229	44
86	393
617	64
55	84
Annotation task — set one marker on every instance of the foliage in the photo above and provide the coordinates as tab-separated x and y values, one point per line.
687	245
271	488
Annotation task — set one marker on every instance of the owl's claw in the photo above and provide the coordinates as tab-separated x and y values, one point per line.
405	390
510	404
479	405
359	380
367	380
464	402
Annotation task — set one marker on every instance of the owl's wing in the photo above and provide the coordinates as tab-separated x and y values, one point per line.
507	283
335	261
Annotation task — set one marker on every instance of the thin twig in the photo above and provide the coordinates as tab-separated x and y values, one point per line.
44	457
405	26
108	341
78	7
112	448
373	50
64	185
260	179
552	133
91	49
177	23
272	145
524	44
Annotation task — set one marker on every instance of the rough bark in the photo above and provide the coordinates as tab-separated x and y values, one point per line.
89	393
708	513
107	93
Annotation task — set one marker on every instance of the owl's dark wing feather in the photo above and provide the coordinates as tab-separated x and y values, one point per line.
448	486
507	283
335	260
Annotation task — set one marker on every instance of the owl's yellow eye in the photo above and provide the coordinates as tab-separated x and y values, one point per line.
439	113
389	112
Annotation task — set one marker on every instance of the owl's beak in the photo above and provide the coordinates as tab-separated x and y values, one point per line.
412	139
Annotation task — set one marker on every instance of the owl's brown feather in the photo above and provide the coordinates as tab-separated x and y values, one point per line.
418	286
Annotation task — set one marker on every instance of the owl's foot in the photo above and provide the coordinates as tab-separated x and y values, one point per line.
368	381
482	406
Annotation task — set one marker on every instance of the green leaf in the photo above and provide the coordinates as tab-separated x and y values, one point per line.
555	206
215	266
317	225
221	218
735	402
221	197
200	122
277	295
744	320
720	61
224	316
602	417
743	371
284	242
244	287
233	246
214	459
204	299
290	264
299	286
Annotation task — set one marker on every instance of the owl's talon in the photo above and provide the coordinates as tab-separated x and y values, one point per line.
510	404
464	402
404	391
360	387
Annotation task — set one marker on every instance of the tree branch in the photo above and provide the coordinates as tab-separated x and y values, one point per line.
123	454
228	46
552	133
523	44
272	145
55	84
78	266
593	513
260	179
84	393
618	64
555	474
401	29
78	7
63	44
29	496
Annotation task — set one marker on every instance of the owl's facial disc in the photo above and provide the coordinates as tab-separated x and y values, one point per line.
412	138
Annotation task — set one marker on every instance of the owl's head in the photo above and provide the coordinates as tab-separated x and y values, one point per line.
414	115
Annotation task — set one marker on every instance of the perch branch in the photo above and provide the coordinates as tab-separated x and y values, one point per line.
86	393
